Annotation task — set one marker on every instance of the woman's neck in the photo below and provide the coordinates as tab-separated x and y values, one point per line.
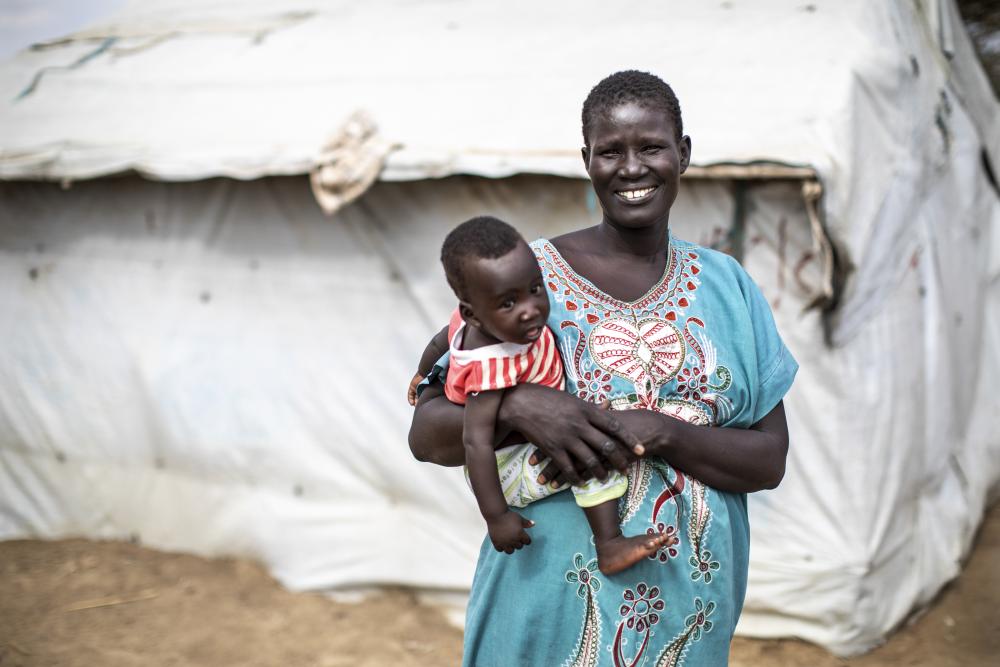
646	242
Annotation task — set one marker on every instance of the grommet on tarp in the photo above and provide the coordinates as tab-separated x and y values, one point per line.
349	163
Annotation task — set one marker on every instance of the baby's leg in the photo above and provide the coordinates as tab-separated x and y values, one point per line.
615	552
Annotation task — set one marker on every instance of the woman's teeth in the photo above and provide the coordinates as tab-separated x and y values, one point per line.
635	194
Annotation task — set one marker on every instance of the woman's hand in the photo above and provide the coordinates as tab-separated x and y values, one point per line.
738	460
582	440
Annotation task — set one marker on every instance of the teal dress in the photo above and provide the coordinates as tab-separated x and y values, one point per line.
700	346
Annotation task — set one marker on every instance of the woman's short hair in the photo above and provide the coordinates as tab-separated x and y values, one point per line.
642	88
482	237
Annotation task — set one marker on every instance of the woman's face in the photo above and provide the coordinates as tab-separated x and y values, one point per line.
635	161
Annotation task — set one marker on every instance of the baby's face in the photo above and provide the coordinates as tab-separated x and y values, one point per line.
506	295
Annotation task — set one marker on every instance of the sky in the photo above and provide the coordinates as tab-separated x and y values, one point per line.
25	22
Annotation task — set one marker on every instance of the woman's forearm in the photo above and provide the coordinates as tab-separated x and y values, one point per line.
577	436
729	459
436	429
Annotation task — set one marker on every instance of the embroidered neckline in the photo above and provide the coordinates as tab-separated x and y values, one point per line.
650	296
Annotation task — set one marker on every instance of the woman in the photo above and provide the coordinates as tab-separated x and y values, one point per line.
681	342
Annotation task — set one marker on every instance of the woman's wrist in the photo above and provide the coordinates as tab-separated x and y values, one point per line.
655	430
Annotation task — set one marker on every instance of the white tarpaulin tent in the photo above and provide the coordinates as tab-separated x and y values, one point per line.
211	365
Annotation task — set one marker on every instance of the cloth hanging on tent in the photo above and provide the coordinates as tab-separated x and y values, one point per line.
349	163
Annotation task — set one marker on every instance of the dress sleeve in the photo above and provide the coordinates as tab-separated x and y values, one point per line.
438	374
776	367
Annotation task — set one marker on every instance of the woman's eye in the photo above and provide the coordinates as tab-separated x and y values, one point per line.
610	154
651	149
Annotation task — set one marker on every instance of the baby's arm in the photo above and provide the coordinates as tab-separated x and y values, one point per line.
506	528
434	350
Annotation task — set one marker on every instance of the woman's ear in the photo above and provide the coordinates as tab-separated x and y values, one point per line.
684	148
465	310
585	152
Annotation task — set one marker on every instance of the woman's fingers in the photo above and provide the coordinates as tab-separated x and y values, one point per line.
607	422
562	460
591	462
615	454
551	474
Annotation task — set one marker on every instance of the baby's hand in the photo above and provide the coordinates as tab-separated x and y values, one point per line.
507	531
411	393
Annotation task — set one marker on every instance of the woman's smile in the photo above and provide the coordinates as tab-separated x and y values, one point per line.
637	195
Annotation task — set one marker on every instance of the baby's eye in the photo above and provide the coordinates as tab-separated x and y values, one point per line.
507	305
536	289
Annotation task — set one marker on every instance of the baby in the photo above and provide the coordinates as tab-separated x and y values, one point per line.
498	338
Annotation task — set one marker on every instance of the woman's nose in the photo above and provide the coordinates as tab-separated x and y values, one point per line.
632	166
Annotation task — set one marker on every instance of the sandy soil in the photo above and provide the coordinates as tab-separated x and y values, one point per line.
75	602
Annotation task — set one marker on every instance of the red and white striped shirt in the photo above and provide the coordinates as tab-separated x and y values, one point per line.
500	366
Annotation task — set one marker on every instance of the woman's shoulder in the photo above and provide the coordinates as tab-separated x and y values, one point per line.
712	260
568	243
719	273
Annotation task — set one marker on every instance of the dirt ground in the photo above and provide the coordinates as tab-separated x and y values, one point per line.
107	604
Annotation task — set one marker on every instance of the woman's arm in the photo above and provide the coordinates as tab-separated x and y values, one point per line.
728	459
575	434
436	430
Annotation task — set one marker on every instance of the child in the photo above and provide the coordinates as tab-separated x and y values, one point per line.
498	338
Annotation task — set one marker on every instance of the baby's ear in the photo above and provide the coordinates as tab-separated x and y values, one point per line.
465	310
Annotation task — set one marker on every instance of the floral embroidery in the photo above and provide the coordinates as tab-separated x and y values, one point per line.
588	644
640	608
698	621
703	566
640	612
692	384
584	576
695	624
668	550
594	385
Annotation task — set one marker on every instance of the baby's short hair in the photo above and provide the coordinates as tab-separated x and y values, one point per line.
482	237
647	90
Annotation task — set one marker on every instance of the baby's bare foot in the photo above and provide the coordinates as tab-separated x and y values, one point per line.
620	553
